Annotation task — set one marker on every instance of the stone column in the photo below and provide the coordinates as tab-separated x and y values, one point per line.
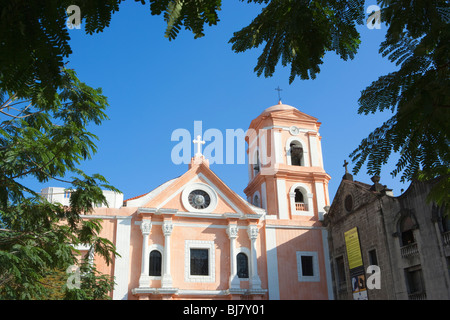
255	281
144	279
166	281
232	231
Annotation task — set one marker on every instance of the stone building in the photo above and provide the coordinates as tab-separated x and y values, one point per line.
386	247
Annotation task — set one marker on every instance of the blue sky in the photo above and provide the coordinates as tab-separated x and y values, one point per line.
155	86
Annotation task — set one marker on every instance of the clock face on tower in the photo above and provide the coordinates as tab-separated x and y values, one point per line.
294	130
199	199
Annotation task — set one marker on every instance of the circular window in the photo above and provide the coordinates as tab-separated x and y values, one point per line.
348	203
199	199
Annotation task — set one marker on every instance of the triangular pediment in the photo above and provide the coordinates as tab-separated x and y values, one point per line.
294	114
284	115
200	182
350	196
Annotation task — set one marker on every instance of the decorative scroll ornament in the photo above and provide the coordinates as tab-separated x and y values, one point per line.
167	228
232	232
146	226
253	232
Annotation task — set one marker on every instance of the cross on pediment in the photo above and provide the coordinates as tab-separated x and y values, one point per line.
199	143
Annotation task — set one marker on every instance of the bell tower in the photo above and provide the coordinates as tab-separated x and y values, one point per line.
286	174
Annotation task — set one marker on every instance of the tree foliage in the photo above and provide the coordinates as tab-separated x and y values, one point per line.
47	140
299	33
417	40
92	284
190	14
34	39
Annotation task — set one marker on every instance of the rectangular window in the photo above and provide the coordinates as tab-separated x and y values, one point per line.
414	280
373	260
448	265
308	266
199	262
340	266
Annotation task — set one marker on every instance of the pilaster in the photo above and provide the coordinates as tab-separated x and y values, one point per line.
232	232
144	279
166	280
255	281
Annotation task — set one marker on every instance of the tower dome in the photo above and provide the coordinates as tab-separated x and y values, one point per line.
286	173
278	107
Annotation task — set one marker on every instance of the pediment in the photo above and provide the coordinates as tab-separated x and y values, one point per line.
282	114
200	191
349	198
294	114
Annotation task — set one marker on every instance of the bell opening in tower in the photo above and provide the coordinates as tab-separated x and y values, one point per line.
296	154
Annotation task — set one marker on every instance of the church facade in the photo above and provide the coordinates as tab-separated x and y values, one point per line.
399	245
195	238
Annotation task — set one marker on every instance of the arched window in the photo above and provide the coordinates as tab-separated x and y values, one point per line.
296	152
446	223
298	196
155	263
257	164
406	230
300	204
300	199
242	265
256	201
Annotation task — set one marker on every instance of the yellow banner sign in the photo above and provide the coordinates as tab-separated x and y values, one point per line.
353	248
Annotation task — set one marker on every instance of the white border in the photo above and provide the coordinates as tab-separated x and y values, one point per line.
307	197
305	158
276	147
282	203
272	264
122	262
257	194
263	196
315	156
320	196
159	248
316	276
199	186
245	251
199	244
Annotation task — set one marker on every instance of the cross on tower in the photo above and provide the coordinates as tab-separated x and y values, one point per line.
345	165
199	143
279	92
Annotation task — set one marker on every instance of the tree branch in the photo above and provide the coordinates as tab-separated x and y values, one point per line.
7	102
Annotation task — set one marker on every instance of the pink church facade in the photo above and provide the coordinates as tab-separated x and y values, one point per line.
195	238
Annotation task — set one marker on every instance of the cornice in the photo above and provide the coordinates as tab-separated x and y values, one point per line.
198	215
